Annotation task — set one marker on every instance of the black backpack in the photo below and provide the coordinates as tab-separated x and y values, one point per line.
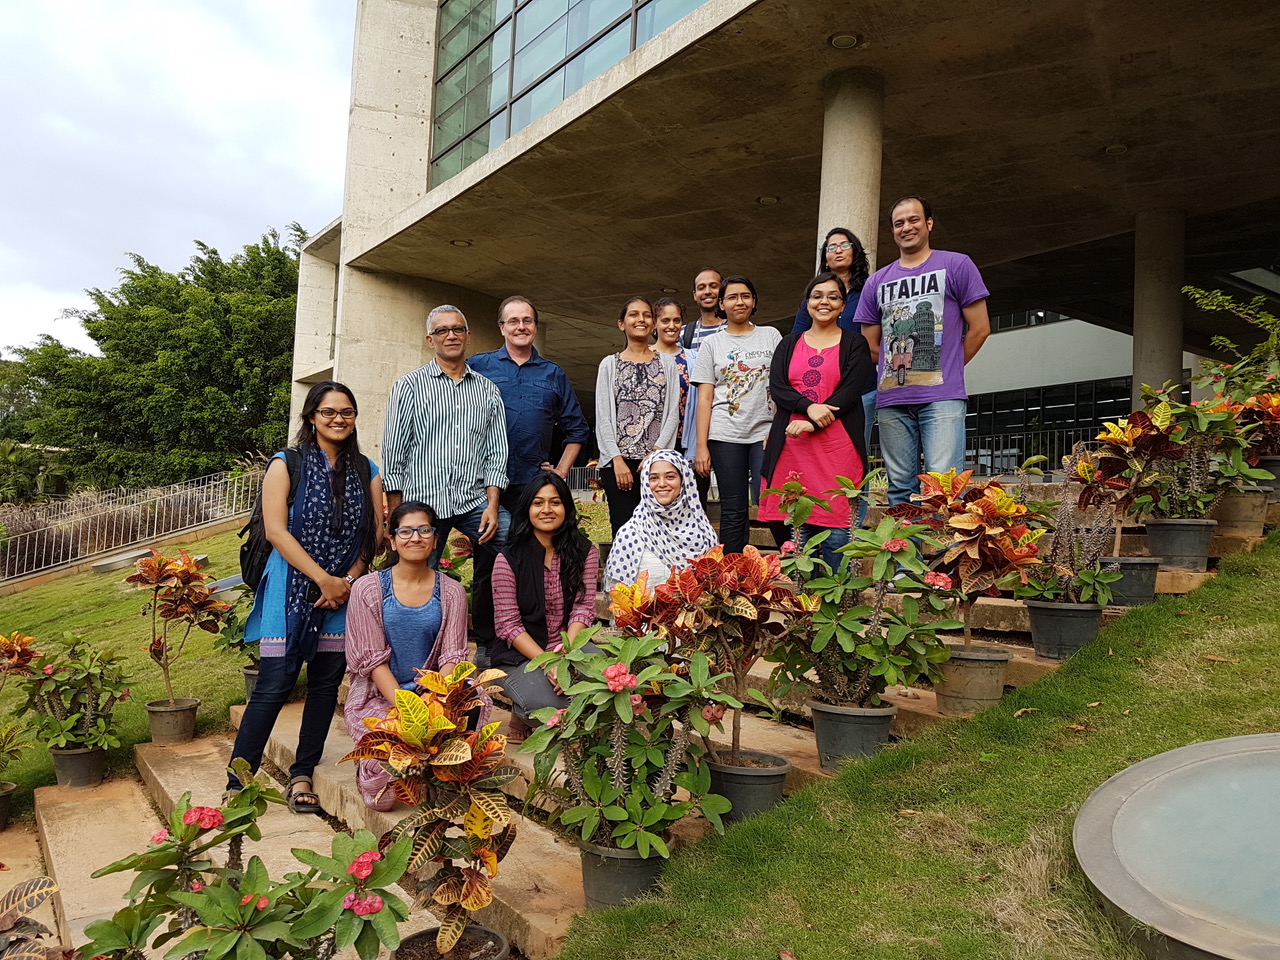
256	549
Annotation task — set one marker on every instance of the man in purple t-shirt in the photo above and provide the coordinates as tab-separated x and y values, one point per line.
925	316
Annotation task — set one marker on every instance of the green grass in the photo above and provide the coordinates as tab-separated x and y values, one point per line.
983	868
108	612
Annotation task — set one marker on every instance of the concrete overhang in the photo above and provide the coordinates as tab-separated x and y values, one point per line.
1001	113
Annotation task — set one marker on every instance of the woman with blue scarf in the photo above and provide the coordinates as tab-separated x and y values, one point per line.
323	532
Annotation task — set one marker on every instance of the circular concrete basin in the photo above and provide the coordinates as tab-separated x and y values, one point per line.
1185	847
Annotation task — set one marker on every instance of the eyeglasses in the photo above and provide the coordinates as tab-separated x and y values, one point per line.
817	297
738	297
445	332
837	247
328	413
520	322
406	533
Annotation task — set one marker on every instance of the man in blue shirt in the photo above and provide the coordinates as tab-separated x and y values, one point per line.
537	397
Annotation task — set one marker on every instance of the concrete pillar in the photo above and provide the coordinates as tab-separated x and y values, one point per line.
1158	256
852	146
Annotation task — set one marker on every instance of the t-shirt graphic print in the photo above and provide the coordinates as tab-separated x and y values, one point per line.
911	330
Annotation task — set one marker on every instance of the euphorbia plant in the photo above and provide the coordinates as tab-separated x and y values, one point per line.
179	596
72	692
987	535
732	608
627	740
453	778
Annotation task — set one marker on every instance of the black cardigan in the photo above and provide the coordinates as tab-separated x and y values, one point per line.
856	371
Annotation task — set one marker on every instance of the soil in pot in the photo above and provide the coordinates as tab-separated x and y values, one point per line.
79	766
476	943
172	722
844	732
1137	583
611	877
1184	544
974	680
1060	629
6	802
752	786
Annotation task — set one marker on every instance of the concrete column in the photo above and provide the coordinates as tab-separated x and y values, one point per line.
1159	253
852	142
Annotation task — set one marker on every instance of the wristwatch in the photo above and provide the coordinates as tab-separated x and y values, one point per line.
350	579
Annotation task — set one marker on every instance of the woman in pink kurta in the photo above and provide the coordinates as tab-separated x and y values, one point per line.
399	621
816	382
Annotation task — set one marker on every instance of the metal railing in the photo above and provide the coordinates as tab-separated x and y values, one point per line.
33	541
1005	452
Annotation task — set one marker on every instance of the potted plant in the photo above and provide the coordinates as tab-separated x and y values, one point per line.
230	638
183	902
453	778
72	690
734	609
180	601
13	742
847	653
988	538
631	764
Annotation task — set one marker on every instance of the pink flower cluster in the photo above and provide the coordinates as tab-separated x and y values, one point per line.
160	836
206	818
619	677
362	906
894	545
713	712
554	719
362	866
637	703
196	886
249	898
788	548
940	580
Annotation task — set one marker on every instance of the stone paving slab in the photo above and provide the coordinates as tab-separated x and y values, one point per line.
20	852
539	885
82	830
119	561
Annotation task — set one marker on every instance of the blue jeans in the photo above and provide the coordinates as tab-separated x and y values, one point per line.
868	421
482	557
737	467
276	679
932	430
837	537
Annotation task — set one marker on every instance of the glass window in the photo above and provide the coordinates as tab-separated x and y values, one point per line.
657	15
598	57
537	101
539	56
535	16
589	17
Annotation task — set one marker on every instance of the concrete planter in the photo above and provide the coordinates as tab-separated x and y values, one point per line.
611	877
1184	544
172	722
1137	583
974	680
79	766
422	945
1241	513
752	789
844	732
1060	629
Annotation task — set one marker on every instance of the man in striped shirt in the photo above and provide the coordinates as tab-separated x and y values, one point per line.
445	444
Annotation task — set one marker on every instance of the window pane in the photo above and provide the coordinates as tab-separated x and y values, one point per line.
657	15
535	17
450	126
537	101
540	55
588	17
447	166
598	57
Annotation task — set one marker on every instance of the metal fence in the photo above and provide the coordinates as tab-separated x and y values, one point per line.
39	539
1005	452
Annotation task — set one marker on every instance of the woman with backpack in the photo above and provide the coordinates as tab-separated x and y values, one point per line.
321	513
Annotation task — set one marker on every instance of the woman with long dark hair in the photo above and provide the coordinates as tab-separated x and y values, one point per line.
322	522
637	409
544	585
406	618
817	433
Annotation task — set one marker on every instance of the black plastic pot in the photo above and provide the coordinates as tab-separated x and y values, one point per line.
844	732
974	680
423	943
172	722
752	789
1183	544
79	766
1060	629
611	877
1137	583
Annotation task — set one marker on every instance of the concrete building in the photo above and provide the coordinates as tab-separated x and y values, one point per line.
1090	156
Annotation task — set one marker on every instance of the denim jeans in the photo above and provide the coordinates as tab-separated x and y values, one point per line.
837	537
869	422
482	557
276	679
934	431
737	467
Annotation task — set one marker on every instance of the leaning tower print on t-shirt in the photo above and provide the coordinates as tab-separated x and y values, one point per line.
911	330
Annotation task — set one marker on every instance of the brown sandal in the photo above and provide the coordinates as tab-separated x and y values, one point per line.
517	730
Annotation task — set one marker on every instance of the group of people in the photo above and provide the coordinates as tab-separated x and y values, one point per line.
467	446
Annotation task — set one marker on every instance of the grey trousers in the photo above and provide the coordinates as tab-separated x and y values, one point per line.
532	691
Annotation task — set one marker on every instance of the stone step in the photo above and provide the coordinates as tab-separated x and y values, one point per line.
539	885
1135	545
20	852
1181	581
81	830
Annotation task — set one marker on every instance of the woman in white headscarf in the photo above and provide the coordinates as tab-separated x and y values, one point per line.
667	529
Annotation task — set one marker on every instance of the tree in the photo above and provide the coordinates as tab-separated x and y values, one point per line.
194	371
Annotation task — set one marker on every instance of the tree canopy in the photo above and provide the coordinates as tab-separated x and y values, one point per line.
194	371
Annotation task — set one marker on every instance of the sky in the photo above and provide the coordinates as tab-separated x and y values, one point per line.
140	126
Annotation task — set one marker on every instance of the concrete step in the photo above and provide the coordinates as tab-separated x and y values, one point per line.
82	830
20	852
539	885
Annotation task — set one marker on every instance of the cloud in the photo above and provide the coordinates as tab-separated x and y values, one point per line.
142	125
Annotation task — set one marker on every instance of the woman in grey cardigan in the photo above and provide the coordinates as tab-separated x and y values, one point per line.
637	409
